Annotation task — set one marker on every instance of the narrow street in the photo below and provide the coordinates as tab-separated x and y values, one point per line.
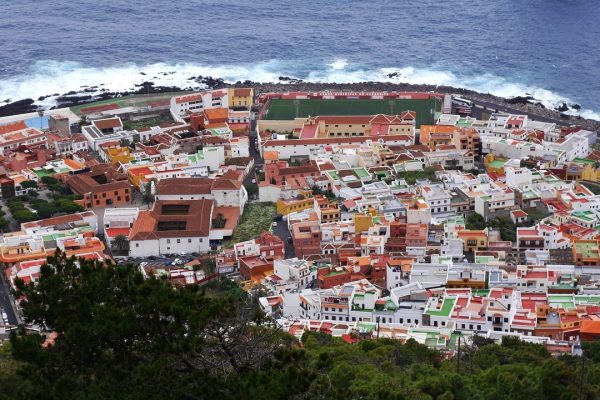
6	302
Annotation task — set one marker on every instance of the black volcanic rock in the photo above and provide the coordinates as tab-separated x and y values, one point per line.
562	108
520	100
18	107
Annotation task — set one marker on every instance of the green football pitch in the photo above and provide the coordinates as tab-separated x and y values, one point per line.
286	109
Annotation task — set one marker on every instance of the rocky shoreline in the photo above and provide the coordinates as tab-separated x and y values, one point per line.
523	103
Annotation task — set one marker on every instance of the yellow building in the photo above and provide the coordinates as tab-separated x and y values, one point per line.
473	240
583	169
362	222
240	97
285	207
494	165
119	155
139	175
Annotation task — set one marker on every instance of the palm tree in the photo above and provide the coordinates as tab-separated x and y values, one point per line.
147	196
121	243
41	114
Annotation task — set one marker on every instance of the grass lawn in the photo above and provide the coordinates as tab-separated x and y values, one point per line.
257	218
286	110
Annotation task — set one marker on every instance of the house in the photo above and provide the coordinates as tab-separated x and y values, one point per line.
118	221
172	226
240	98
518	216
473	240
101	187
541	236
17	134
182	106
72	234
306	237
586	253
255	268
108	125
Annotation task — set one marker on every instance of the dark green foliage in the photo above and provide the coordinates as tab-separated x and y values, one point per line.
49	180
475	221
412	177
123	337
29	185
251	189
219	222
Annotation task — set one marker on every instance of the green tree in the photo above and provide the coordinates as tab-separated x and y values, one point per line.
251	189
219	222
121	336
29	185
147	196
23	215
49	180
475	221
121	243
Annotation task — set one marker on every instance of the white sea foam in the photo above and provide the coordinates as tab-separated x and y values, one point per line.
51	77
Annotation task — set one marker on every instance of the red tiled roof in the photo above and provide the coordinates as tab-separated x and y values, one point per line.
108	123
12	127
197	219
184	186
242	92
114	232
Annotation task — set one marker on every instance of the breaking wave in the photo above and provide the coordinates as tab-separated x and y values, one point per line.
50	78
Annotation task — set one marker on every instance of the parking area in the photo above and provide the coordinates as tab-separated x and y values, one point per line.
165	259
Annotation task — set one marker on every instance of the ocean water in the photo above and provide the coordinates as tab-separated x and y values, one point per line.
549	49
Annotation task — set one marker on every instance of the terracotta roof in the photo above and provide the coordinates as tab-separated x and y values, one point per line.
83	183
216	113
184	186
226	184
12	127
108	123
187	99
242	92
196	218
63	219
271	155
588	326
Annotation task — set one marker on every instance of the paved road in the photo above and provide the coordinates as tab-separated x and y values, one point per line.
282	231
6	301
258	161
